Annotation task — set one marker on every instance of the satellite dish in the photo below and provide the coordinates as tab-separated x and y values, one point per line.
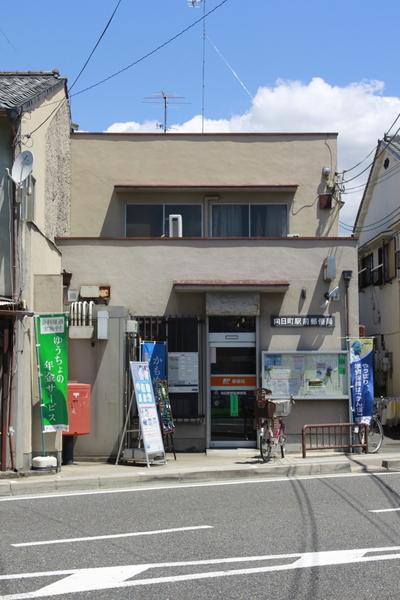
22	167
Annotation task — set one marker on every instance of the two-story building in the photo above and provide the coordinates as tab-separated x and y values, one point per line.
34	117
225	246
378	227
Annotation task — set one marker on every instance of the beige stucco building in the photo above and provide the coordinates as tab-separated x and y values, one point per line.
34	117
226	247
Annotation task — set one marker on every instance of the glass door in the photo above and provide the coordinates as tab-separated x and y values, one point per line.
232	385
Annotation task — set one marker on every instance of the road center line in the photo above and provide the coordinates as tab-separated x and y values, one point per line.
244	481
111	536
383	510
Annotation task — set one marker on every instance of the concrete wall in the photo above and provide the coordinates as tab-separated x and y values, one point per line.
101	364
101	161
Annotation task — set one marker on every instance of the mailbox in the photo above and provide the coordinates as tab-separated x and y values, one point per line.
79	409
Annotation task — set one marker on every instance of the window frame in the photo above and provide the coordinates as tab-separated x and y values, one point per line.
249	205
164	204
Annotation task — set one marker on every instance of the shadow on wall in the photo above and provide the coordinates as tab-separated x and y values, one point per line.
5	259
114	219
310	338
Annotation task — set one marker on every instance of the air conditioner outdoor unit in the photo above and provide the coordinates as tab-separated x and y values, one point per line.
175	226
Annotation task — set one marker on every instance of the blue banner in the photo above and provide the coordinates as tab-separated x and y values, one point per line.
362	379
155	353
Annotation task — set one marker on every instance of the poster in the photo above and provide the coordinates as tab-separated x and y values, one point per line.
183	372
362	378
52	359
147	410
305	374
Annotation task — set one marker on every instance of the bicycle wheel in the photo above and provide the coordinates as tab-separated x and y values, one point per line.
265	448
375	435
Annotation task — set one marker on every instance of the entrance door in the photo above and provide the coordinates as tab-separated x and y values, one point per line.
232	381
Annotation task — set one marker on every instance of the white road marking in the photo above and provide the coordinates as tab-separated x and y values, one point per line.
111	536
244	481
382	510
86	580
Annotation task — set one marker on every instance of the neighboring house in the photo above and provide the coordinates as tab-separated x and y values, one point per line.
34	116
378	228
248	273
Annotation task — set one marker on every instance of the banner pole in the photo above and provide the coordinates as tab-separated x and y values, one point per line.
39	385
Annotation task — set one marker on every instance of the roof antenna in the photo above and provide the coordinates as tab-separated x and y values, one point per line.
164	98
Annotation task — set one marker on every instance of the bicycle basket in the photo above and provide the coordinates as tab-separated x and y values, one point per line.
264	410
283	407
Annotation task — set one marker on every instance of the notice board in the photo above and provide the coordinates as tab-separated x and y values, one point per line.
305	374
147	410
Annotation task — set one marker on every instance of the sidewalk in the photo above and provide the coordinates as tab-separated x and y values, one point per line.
216	465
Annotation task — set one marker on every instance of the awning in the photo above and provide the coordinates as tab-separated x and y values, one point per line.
231	285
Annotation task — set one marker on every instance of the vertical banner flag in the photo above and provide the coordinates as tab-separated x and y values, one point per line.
52	359
362	378
155	353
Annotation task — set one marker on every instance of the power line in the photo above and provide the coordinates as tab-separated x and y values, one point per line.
379	153
151	52
141	59
374	224
95	46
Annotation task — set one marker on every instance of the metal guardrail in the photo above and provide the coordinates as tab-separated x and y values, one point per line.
334	436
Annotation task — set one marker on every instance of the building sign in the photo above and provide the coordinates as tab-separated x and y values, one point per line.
52	359
233	381
183	372
303	321
147	410
362	379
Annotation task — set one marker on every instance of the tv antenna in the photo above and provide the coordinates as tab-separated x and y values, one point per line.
22	167
197	4
166	99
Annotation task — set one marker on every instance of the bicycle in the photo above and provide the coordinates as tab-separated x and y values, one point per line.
374	429
270	423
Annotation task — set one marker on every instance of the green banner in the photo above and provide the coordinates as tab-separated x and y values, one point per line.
52	358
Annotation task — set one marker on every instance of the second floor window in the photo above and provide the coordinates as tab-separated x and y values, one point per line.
151	220
249	220
366	271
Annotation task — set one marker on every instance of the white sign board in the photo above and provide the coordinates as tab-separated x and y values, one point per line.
183	372
147	410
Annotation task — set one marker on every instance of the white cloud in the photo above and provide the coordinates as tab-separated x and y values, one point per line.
359	112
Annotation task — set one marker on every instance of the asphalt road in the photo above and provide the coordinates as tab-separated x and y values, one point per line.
306	538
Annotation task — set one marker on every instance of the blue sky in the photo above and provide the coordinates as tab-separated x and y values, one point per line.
333	50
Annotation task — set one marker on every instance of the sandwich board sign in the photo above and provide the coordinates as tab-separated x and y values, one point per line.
147	410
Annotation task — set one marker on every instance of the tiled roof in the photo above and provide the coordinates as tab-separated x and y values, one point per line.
21	89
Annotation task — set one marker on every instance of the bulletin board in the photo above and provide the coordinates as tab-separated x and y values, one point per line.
305	374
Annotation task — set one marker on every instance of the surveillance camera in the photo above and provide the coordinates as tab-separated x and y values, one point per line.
326	171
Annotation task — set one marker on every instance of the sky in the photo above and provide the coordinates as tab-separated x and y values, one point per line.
293	65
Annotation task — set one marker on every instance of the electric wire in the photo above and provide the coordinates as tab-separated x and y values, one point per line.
379	153
376	180
375	224
95	46
131	65
373	149
151	52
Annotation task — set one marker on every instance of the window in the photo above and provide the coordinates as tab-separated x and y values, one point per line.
268	220
366	271
389	260
230	220
249	220
151	220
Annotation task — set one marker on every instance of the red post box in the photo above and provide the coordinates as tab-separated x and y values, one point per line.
79	409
